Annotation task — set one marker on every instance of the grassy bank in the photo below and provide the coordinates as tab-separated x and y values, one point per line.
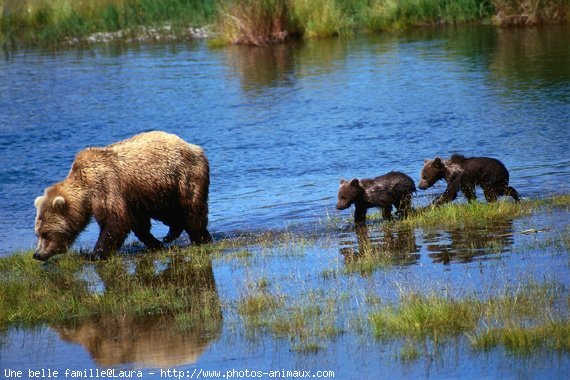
257	22
53	22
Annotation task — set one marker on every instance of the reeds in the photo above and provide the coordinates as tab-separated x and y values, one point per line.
258	22
255	22
530	12
50	22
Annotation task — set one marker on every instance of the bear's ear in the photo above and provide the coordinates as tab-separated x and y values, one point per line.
437	161
355	183
426	161
38	201
342	181
58	203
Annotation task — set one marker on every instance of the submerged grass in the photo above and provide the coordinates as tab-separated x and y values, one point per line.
523	321
69	289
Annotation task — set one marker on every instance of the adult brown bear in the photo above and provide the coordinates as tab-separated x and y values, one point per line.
153	175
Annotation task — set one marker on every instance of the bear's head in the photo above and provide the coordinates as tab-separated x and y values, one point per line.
56	225
433	171
348	193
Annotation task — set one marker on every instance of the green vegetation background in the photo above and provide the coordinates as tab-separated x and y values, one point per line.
258	22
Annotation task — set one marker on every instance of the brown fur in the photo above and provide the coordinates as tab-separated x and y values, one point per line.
463	174
393	189
151	175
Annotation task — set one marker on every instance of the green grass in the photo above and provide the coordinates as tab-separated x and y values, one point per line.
401	14
50	22
478	213
524	341
425	316
523	320
257	22
59	291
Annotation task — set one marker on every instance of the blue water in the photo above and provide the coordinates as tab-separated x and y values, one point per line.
282	125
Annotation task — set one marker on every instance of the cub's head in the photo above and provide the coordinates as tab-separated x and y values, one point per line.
433	171
348	192
54	227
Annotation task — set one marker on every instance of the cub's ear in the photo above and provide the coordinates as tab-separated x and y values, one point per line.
38	201
342	181
426	161
58	203
437	161
355	183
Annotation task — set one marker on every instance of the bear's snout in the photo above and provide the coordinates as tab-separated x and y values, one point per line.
423	185
41	256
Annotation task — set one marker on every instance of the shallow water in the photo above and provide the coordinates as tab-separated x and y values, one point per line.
281	126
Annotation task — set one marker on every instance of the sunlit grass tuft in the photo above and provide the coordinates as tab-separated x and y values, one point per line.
522	320
477	213
255	22
394	15
425	316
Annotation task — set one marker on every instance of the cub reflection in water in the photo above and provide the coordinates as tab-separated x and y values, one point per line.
158	341
467	244
390	245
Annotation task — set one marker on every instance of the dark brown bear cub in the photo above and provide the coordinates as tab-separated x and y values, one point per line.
151	175
391	189
463	174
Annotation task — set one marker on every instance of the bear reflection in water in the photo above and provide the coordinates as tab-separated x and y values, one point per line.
159	341
467	244
395	243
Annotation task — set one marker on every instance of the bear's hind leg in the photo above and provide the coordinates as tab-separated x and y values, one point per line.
173	233
510	191
469	192
142	232
196	225
387	212
404	206
491	193
199	235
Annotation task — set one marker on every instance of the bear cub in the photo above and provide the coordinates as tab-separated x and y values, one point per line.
391	189
463	174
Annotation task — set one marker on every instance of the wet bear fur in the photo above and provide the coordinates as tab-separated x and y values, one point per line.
391	189
463	174
153	175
